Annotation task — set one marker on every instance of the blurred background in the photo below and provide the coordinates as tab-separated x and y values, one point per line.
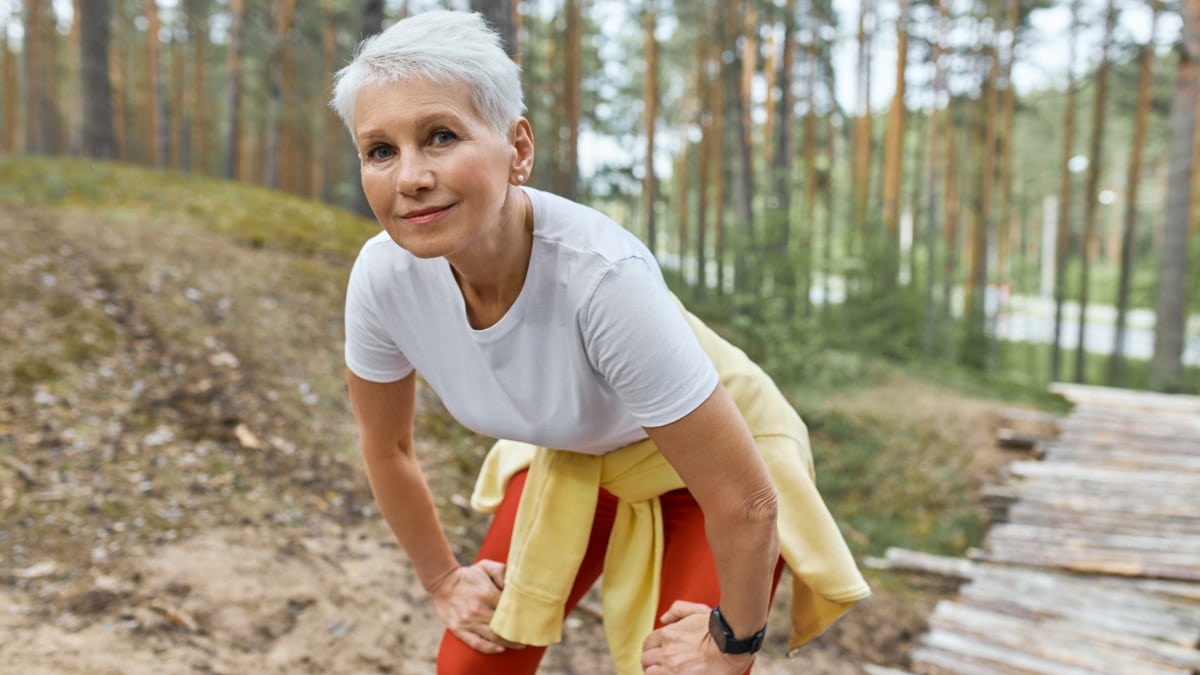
916	215
989	184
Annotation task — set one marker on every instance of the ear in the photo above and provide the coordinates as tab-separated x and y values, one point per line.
521	138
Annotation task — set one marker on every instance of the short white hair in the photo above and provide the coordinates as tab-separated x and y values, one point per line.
446	47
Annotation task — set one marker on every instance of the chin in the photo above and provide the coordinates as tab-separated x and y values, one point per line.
421	249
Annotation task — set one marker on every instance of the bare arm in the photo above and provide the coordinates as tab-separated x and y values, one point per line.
712	450
384	415
464	597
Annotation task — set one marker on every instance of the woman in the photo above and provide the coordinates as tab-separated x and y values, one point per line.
539	320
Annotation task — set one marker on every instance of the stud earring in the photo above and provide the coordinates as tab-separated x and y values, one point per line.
520	178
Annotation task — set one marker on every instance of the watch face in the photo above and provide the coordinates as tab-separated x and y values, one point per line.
716	627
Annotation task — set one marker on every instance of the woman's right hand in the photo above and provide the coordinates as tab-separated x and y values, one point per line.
465	600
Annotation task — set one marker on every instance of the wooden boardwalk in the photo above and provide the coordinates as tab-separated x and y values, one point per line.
1093	565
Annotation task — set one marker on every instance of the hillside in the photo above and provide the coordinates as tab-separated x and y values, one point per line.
179	485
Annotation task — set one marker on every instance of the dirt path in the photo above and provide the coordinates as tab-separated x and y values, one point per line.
179	490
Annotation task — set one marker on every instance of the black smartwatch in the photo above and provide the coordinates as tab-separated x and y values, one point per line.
722	634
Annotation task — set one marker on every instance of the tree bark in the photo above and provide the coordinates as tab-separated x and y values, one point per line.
650	108
1061	249
860	191
1095	157
12	120
153	112
1116	373
233	113
35	77
574	98
745	273
502	16
99	138
279	91
1166	366
937	121
893	155
197	155
74	103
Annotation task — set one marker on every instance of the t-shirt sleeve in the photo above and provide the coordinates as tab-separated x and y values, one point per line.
370	352
641	344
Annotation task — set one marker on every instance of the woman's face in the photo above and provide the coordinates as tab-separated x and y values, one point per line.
436	175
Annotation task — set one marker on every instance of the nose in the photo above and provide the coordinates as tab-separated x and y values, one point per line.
413	174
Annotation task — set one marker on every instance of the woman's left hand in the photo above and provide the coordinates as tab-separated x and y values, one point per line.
683	645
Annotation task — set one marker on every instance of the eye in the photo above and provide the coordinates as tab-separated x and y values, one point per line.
442	137
380	152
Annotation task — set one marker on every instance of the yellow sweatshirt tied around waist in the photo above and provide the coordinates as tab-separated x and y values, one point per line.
555	515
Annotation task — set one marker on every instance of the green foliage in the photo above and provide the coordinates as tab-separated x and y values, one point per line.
253	215
893	485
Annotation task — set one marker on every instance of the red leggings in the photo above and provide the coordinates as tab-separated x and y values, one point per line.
692	577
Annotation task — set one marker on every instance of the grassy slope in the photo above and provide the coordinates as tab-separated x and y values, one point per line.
892	479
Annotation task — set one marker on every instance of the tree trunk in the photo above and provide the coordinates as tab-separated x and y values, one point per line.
1004	182
99	139
937	120
153	112
681	182
745	273
893	155
1061	252
650	108
35	77
177	117
502	16
330	131
1116	373
198	154
278	91
12	121
574	98
860	191
118	41
1095	158
1166	366
233	66
952	208
74	103
976	347
716	150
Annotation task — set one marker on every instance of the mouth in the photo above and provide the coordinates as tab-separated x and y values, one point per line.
425	215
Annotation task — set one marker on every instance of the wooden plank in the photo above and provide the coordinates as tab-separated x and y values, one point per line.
1130	504
936	661
926	563
1092	562
1119	457
1097	604
987	650
1152	480
1099	438
1124	398
1098	650
1183	547
1031	513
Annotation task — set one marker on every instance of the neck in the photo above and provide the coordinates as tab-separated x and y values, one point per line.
491	275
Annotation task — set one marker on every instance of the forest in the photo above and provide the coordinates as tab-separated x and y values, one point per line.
924	218
866	174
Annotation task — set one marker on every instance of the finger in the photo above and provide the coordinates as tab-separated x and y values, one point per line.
650	657
496	639
495	571
681	608
477	642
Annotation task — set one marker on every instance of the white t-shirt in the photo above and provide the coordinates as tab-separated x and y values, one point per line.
593	349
